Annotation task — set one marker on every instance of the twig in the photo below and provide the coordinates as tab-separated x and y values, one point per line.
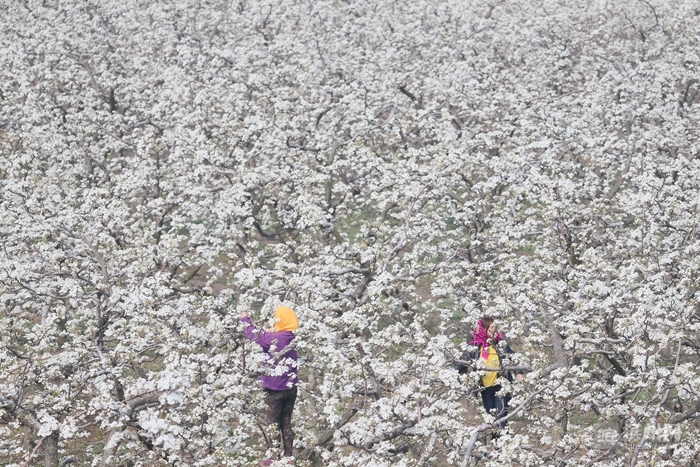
328	434
639	445
486	426
31	455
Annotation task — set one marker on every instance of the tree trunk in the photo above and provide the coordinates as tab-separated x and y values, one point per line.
51	450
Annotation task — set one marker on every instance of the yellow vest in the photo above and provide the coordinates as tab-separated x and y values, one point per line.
489	379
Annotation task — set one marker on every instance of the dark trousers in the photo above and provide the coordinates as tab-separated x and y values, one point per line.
280	405
495	405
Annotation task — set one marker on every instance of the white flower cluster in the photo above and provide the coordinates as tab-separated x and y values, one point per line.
392	171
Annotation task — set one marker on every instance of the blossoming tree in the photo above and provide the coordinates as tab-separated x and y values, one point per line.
393	171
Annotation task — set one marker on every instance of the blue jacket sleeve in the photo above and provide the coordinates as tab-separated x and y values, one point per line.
469	356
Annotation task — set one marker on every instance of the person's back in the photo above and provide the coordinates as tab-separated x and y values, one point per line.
281	374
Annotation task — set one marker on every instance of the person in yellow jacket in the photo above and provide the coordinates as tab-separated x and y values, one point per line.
486	339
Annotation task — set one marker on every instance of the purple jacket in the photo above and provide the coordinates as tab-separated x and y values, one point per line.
281	372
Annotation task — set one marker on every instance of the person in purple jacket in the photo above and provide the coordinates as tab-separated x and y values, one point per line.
281	377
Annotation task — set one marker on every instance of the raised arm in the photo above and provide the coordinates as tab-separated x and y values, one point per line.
255	334
469	357
508	350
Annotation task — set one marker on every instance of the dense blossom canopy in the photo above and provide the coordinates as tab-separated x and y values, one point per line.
392	171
